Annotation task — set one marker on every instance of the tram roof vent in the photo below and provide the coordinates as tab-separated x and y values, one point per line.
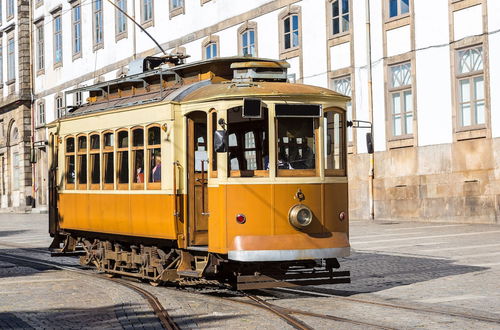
260	71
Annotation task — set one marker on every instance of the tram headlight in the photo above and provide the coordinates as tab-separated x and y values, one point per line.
300	216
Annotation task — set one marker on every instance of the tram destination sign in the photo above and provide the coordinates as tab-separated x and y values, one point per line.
297	110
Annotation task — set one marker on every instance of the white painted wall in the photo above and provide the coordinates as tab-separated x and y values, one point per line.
340	56
468	22
398	41
494	43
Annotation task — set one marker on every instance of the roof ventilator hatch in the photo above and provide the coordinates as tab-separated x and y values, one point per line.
260	71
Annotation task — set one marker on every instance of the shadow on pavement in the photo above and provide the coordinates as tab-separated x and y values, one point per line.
5	233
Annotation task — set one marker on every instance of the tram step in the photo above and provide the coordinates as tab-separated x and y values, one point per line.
188	273
250	282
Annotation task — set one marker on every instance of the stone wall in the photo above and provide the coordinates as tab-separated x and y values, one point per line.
457	182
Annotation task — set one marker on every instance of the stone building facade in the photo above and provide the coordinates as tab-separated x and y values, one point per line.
15	108
436	120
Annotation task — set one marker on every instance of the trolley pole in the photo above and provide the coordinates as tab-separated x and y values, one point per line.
371	173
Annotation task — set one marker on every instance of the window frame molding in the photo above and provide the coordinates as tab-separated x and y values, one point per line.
11	36
57	96
97	45
133	150
147	147
39	103
150	22
476	131
90	151
404	140
57	13
80	153
211	39
292	51
398	20
69	186
39	24
202	2
120	35
76	55
338	74
247	26
181	10
344	36
108	150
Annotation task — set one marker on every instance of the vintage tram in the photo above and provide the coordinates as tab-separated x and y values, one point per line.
219	169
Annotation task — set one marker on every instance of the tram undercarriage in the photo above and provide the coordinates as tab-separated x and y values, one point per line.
178	266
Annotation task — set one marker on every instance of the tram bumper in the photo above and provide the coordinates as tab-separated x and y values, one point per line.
289	247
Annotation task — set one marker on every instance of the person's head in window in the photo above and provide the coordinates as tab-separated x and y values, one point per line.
156	170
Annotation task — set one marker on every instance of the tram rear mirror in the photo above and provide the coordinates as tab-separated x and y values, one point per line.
220	141
369	143
252	108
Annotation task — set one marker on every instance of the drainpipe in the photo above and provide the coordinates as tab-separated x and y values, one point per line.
370	108
32	105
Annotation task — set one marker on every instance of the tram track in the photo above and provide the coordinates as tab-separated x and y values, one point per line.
164	318
403	307
286	314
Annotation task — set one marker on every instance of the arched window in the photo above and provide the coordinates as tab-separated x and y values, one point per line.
290	32
70	174
154	167
108	145
122	159
247	39
95	161
82	162
210	47
138	158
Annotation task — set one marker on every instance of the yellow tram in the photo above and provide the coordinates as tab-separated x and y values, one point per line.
218	169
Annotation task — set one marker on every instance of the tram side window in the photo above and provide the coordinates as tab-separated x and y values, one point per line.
70	162
334	143
248	144
154	157
108	159
122	157
296	143
95	161
138	157
82	162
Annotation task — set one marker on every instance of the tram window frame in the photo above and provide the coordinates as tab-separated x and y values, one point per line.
263	141
82	160
212	123
94	159
342	171
312	172
120	153
108	150
67	157
135	149
151	185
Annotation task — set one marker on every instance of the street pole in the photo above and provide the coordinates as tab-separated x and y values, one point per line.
370	109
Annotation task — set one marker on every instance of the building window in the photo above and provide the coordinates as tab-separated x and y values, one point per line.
147	11
342	85
248	43
398	7
340	16
210	50
40	50
58	54
16	169
291	32
98	24
470	82
10	9
210	47
120	18
77	30
401	99
41	113
11	59
176	7
78	98
60	111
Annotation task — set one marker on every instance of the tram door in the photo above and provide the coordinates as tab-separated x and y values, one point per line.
197	179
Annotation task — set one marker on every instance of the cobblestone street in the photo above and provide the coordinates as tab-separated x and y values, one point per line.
448	268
